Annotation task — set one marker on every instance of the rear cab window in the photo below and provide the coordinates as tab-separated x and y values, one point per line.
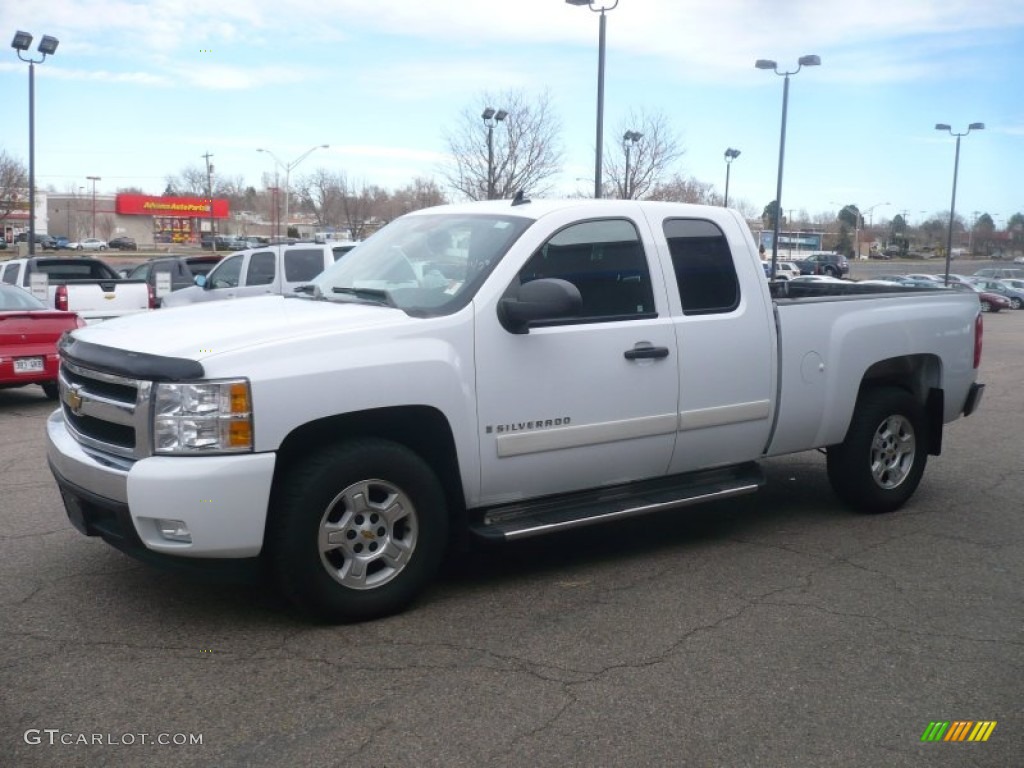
703	266
303	264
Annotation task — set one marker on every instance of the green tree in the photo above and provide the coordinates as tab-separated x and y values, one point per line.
849	215
768	215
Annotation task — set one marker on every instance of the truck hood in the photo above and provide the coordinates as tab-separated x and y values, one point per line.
198	331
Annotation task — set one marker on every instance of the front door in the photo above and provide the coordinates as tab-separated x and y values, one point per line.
586	402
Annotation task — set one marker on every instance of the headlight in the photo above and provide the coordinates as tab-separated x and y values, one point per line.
205	417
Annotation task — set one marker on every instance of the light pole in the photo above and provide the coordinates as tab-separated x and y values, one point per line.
47	47
803	61
93	179
491	118
956	168
287	172
871	219
598	160
730	155
629	139
209	200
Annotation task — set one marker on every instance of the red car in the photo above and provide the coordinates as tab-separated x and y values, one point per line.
29	332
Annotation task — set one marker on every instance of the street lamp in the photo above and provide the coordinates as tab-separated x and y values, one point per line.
491	118
93	179
730	155
869	211
629	139
47	47
956	168
209	195
287	171
598	160
803	61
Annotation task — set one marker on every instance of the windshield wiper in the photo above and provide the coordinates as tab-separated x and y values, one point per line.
372	295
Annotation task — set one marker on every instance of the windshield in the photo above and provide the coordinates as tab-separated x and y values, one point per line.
431	264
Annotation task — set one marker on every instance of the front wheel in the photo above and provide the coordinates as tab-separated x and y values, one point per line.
358	530
878	466
1015	303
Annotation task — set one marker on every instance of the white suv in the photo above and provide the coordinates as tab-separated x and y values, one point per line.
270	269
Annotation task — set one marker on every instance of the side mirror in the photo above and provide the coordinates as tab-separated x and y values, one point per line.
539	300
201	281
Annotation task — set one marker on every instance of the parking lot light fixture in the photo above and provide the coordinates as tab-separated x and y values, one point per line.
602	8
629	139
956	168
47	47
730	155
288	167
803	61
491	117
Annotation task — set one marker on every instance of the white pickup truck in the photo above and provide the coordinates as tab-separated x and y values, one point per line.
83	285
498	370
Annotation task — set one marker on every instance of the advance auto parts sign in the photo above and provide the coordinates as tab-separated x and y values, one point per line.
184	207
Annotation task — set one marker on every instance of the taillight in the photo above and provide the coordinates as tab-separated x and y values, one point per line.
60	298
152	296
979	327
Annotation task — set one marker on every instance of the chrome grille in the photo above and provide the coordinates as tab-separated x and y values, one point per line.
106	412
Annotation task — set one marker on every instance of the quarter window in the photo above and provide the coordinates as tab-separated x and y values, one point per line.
703	265
605	260
303	264
11	274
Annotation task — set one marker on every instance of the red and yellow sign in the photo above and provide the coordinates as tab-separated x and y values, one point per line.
184	207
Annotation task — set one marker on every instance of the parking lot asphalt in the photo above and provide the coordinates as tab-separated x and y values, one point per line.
779	629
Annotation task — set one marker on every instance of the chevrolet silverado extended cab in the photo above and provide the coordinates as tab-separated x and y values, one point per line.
497	371
86	286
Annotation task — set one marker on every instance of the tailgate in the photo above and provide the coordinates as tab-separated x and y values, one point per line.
106	298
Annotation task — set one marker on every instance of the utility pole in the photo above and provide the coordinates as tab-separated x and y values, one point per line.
93	179
209	195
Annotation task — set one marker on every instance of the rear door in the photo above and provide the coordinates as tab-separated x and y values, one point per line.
261	275
725	344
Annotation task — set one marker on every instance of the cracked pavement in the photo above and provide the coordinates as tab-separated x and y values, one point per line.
778	629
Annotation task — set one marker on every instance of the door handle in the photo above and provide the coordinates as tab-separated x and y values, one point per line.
645	352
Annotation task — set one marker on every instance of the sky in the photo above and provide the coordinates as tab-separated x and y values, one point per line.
138	91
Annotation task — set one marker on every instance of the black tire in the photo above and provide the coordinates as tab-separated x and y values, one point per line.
51	390
985	306
372	566
879	465
829	272
1015	303
80	248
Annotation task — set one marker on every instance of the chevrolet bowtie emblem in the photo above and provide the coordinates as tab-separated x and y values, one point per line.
74	400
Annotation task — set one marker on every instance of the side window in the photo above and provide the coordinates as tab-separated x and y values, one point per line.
141	272
703	264
227	272
262	266
303	264
11	274
606	261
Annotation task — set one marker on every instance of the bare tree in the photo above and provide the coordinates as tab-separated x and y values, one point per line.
652	149
526	147
322	191
357	207
682	189
13	184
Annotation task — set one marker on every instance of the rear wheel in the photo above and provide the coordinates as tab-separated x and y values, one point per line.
51	390
879	465
357	531
830	272
985	306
